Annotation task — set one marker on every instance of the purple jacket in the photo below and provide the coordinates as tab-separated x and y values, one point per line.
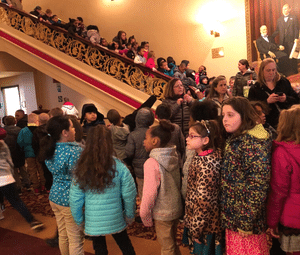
284	197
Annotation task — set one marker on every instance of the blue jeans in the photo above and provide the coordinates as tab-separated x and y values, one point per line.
10	193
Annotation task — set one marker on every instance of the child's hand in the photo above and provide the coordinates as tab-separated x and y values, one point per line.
197	241
148	222
129	221
274	232
243	233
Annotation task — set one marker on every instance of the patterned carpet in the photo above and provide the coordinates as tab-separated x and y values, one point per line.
39	204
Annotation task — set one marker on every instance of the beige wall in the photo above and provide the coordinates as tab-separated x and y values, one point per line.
169	26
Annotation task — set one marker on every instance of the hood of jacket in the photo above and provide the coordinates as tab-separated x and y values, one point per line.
69	107
166	157
12	130
144	118
259	132
292	149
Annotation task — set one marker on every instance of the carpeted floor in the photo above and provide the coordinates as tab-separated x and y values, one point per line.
15	243
39	204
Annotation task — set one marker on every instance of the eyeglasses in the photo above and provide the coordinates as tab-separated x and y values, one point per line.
192	136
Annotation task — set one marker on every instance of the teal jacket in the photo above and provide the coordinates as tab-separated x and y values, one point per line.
25	141
61	165
105	213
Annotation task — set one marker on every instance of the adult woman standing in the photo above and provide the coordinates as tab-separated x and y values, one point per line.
218	92
273	89
180	103
243	77
121	39
245	176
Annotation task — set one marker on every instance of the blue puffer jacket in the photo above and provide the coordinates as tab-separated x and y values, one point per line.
105	212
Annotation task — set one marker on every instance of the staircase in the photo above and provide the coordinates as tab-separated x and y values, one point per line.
93	71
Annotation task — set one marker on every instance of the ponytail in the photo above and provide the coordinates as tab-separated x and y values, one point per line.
54	127
163	131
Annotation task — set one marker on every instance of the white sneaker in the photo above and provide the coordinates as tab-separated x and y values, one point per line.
1	215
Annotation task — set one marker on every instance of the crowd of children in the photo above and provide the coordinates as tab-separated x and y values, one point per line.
228	191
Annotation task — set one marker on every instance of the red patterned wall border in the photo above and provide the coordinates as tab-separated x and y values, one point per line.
72	71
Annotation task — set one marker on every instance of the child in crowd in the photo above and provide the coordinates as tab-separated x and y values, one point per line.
245	177
163	112
105	188
261	108
171	62
202	218
56	112
90	117
34	168
134	148
61	154
139	58
203	83
125	51
151	60
8	188
69	108
39	133
206	110
145	45
103	42
230	85
133	52
119	132
93	34
161	194
17	155
163	67
283	212
201	71
131	39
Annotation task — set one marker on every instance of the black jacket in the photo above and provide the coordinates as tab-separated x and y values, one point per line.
261	93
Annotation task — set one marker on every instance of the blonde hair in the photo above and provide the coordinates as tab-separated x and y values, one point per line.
151	54
33	118
289	125
261	77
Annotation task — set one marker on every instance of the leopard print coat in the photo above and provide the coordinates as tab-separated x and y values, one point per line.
202	205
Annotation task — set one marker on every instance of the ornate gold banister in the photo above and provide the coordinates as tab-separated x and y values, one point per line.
107	61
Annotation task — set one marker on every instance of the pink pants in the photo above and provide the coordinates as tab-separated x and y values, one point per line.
250	245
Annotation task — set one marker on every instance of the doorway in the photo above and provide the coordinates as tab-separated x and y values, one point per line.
11	98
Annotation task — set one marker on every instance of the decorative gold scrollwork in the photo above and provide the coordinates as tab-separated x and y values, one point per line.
27	26
58	41
92	56
75	49
3	16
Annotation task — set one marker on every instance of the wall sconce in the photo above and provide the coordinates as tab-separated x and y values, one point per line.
217	52
214	33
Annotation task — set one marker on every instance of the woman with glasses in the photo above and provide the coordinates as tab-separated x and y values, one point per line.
180	102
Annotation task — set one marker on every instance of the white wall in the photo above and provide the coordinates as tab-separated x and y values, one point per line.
171	27
26	88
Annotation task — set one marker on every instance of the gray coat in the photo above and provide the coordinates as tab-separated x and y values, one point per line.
135	142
